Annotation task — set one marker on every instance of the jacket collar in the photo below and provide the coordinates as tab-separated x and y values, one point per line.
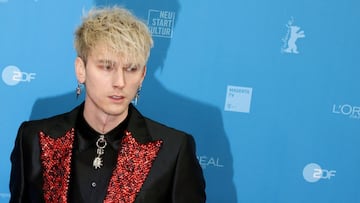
65	122
138	126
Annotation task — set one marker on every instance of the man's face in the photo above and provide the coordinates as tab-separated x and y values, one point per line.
111	81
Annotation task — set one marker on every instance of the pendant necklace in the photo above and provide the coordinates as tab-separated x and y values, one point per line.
100	144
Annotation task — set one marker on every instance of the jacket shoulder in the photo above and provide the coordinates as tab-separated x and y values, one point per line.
54	126
159	130
162	127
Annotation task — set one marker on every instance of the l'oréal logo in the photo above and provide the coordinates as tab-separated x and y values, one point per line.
347	110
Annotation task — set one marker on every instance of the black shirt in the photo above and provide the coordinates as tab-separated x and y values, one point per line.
88	184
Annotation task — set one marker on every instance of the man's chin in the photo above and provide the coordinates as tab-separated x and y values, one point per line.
117	110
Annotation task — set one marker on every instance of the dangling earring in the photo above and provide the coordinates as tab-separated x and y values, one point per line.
78	90
135	100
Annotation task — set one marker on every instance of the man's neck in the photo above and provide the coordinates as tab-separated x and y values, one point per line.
101	121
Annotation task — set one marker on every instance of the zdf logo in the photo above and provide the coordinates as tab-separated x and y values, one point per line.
313	173
12	75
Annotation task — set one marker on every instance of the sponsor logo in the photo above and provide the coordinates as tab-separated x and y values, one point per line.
313	172
161	23
238	99
347	110
12	75
292	35
206	162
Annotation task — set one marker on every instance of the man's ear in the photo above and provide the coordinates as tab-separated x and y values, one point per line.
80	70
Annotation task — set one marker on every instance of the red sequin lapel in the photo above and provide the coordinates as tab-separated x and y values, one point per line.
56	162
133	165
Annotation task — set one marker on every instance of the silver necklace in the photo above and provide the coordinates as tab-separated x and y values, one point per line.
100	144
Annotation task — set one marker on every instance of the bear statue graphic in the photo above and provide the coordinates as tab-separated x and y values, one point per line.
293	34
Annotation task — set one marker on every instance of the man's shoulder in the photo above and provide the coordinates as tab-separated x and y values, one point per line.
55	124
49	120
162	131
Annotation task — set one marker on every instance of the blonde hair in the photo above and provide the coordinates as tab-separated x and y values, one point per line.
119	29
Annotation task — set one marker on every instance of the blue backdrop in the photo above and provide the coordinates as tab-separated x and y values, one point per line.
269	89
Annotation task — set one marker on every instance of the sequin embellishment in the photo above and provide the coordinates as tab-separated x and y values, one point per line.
56	162
133	166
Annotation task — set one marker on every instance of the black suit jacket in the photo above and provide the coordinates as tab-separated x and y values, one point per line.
174	175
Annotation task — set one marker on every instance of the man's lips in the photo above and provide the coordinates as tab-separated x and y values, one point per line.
116	97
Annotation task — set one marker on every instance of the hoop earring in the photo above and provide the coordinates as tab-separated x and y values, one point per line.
137	96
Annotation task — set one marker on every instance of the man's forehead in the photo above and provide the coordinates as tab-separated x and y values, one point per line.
104	55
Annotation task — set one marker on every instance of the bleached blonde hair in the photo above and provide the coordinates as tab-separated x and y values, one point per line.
119	29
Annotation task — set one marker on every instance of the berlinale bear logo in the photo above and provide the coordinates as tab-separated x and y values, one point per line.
293	34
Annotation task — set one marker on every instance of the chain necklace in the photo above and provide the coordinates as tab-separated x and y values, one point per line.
100	144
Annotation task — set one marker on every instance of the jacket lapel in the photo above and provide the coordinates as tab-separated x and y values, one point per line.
133	165
56	161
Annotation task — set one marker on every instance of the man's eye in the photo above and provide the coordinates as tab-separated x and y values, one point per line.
131	68
107	67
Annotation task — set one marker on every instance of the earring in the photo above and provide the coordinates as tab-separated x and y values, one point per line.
78	90
135	100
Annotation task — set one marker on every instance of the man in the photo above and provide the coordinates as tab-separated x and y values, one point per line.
105	150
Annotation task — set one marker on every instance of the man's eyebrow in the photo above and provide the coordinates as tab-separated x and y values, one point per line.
131	65
105	61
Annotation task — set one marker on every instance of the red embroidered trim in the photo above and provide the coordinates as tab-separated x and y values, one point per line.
56	162
133	166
